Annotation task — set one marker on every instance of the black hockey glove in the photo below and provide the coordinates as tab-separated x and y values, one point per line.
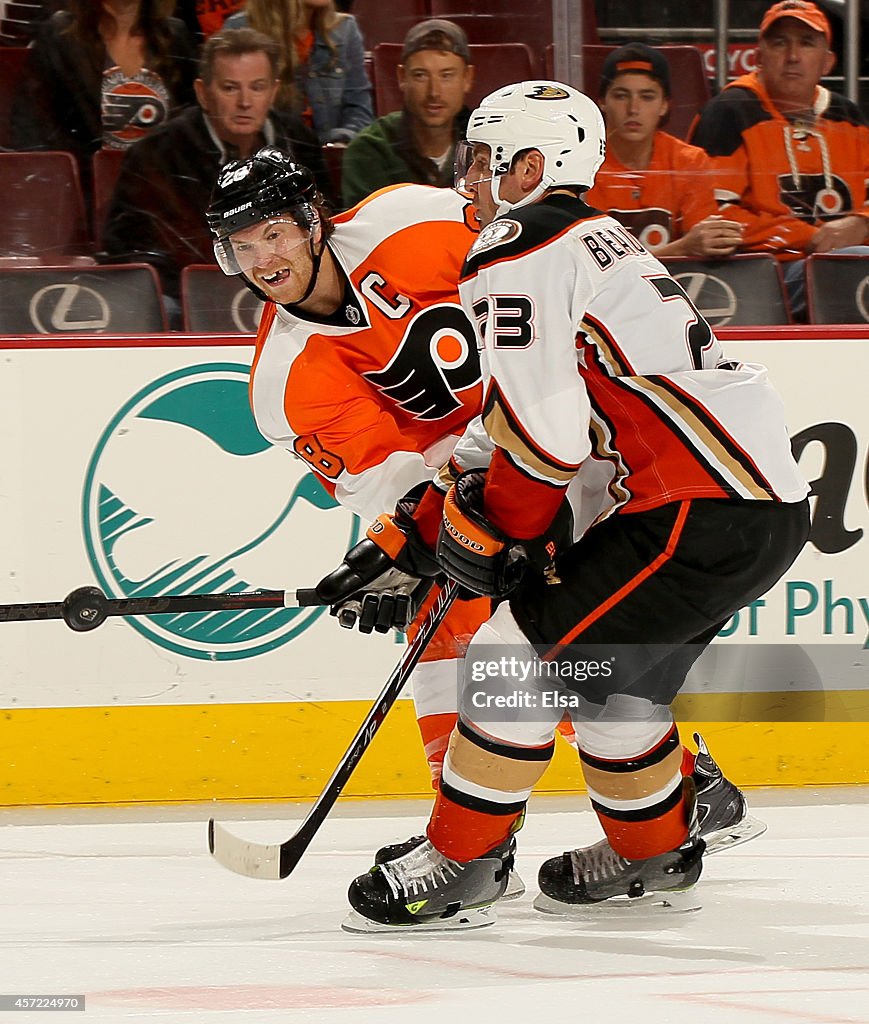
384	578
482	558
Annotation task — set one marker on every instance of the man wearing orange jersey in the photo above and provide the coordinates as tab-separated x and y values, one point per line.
791	158
659	187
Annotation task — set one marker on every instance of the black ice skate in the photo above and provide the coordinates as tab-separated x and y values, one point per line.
721	807
424	890
597	874
515	885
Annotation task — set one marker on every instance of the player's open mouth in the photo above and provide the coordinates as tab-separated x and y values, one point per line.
278	277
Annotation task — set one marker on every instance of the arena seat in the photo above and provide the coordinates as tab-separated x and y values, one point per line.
12	60
742	290
495	65
44	215
505	21
106	165
122	299
212	303
383	22
837	288
333	157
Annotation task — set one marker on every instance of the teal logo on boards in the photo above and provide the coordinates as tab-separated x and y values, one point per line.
183	495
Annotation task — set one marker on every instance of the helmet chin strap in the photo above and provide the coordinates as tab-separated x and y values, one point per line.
505	207
316	260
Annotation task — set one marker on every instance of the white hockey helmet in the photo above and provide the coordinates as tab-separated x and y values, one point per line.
563	123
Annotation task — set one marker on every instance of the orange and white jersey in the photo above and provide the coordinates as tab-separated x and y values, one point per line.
375	396
602	377
663	201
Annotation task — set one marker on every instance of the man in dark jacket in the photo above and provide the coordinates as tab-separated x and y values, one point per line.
157	213
417	143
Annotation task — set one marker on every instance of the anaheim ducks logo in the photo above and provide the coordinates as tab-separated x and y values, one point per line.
498	232
547	92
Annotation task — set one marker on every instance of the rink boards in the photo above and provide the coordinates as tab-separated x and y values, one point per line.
134	465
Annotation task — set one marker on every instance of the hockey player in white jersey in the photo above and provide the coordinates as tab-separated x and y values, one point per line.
603	383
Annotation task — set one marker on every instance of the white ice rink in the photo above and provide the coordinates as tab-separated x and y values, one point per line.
136	916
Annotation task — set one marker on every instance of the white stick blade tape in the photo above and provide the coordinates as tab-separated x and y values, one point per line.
256	860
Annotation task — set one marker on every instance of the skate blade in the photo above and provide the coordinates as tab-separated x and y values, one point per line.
684	902
515	888
726	838
465	920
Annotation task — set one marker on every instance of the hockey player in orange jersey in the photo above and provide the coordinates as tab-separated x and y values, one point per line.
366	367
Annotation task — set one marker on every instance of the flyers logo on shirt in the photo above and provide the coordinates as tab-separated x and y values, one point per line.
131	107
815	198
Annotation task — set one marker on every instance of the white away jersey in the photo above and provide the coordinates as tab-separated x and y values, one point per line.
600	373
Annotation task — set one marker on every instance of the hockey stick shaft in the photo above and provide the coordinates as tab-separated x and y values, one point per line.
88	607
276	861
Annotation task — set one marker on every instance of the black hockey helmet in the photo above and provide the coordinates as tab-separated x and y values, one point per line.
269	184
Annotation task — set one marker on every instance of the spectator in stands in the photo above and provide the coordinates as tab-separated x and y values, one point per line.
157	213
659	187
417	143
791	157
324	75
103	74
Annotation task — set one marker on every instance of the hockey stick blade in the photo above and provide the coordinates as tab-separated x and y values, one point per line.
277	860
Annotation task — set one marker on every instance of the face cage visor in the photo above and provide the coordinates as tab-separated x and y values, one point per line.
256	245
464	166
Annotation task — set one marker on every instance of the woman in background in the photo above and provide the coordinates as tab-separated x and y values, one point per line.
102	75
324	75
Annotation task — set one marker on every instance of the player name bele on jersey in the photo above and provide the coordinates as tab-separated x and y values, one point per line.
608	246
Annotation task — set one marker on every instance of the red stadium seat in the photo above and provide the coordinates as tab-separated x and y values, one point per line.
12	59
745	290
333	157
837	288
213	303
388	22
106	165
44	214
505	21
495	65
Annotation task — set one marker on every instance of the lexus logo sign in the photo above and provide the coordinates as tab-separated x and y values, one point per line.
68	307
713	296
862	295
246	310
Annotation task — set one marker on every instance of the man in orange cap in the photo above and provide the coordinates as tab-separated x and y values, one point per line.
791	157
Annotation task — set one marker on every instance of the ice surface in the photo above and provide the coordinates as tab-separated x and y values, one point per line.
138	917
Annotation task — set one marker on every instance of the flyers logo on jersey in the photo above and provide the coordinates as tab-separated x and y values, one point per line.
547	92
437	359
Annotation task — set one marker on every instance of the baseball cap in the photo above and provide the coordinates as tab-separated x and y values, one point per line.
639	58
808	13
437	34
